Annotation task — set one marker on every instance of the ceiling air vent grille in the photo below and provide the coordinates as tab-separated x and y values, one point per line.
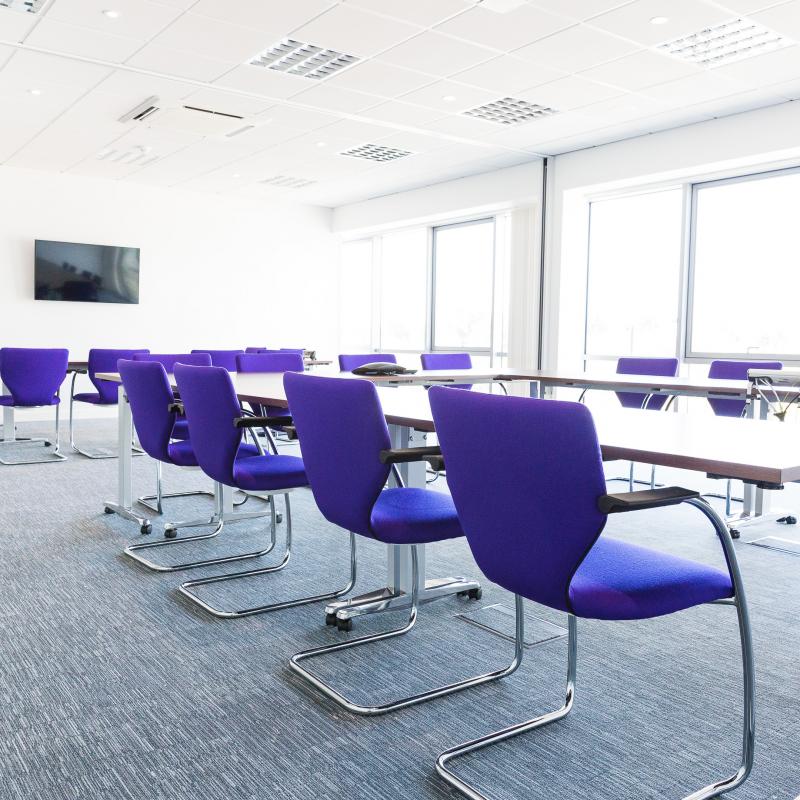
140	155
287	182
508	111
724	44
28	6
304	60
375	152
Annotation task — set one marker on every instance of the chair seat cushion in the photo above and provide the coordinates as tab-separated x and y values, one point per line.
180	430
8	400
414	516
94	398
618	581
265	473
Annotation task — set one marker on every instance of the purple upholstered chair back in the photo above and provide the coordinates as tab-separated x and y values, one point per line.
103	360
169	360
269	362
348	362
149	394
254	349
211	406
33	375
666	367
223	358
525	476
448	361
737	371
342	430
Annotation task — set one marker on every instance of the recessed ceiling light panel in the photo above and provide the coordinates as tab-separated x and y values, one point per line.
27	6
375	152
287	182
510	111
726	43
304	60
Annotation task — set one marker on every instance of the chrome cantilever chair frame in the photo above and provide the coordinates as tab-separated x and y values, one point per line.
56	451
748	731
295	663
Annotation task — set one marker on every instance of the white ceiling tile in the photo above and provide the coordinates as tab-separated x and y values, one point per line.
376	77
138	19
274	16
350	30
213	39
623	109
324	143
788	89
415	142
748	6
695	89
401	113
575	49
743	101
578	9
418	12
183	5
460	125
568	93
264	81
300	118
505	75
227	102
780	65
683	17
329	98
437	54
450	97
134	87
529	135
179	64
352	129
6	51
86	42
641	69
31	67
504	31
268	134
14	26
784	19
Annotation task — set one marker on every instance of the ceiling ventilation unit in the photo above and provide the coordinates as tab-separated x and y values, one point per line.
142	111
26	6
189	119
375	152
287	182
723	44
509	111
302	59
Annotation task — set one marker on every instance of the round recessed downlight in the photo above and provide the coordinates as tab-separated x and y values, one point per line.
111	14
35	92
449	98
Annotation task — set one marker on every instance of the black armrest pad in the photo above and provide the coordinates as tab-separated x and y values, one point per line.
262	422
649	498
176	408
405	455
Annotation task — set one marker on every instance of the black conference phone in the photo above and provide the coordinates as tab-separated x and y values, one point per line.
382	368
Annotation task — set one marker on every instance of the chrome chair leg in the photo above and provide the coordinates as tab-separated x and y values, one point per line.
186	588
160	495
748	672
441	691
132	551
56	454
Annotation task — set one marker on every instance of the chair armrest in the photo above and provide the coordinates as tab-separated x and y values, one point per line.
433	455
176	408
262	422
648	498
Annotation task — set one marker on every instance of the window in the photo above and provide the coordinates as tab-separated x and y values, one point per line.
463	285
745	275
355	303
404	290
634	275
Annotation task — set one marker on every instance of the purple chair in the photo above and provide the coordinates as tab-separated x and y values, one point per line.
150	397
33	377
216	425
346	450
738	371
100	360
277	362
348	362
223	358
527	480
448	361
255	349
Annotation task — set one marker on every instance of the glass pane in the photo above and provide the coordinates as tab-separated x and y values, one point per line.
356	297
464	276
634	275
746	276
404	289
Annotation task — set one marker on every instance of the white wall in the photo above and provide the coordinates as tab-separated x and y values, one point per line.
762	139
215	272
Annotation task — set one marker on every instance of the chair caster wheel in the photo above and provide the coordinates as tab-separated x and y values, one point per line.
472	594
108	510
789	520
48	444
170	533
146	528
735	534
330	619
278	519
344	624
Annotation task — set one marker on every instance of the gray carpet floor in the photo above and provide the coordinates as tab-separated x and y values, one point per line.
113	686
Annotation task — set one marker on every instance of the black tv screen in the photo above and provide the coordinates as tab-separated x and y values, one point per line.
86	273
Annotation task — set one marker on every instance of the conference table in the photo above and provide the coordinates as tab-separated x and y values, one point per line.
754	451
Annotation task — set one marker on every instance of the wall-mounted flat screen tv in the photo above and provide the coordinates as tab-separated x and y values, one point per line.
86	273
